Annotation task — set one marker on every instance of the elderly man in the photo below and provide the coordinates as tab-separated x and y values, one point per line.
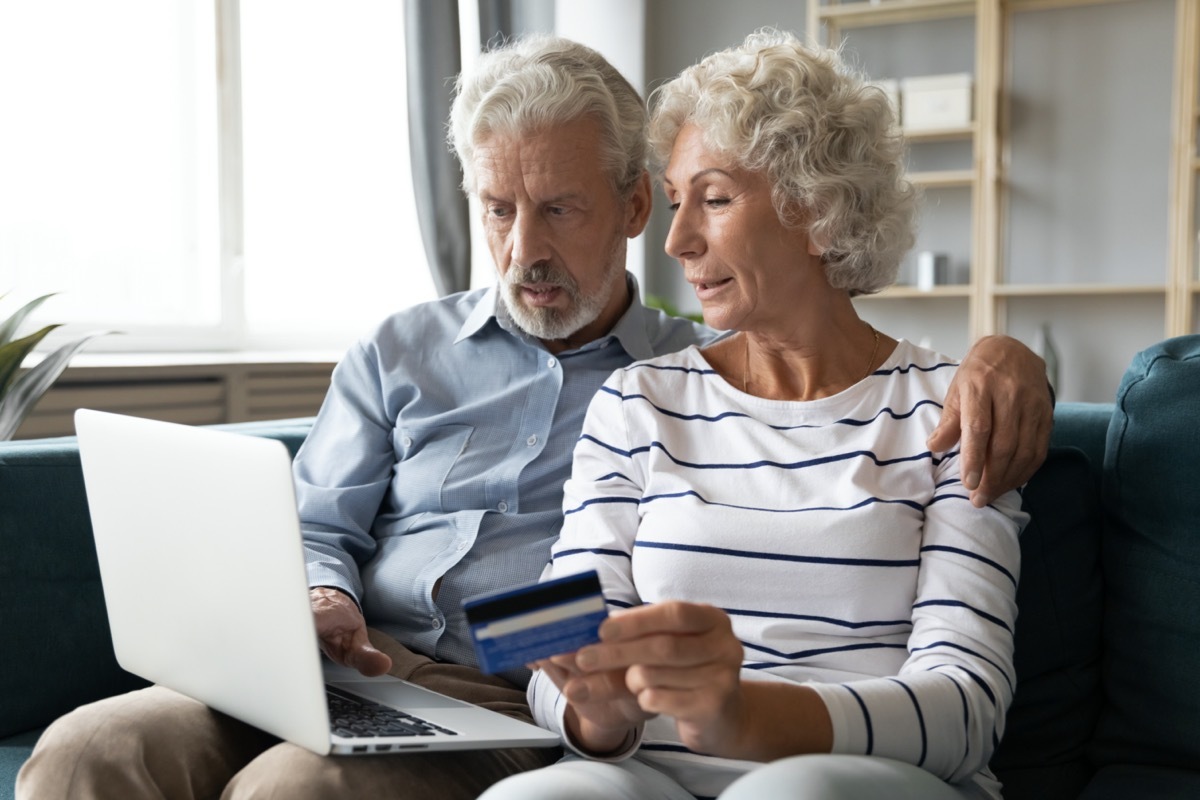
435	468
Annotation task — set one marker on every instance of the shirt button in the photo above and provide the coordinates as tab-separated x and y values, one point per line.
532	440
406	441
551	362
502	506
437	623
462	546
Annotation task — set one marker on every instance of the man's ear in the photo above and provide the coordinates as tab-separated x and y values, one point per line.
637	207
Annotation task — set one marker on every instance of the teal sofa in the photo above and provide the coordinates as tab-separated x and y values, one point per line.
1107	645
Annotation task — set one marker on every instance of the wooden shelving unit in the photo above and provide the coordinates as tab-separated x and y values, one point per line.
1185	170
828	19
989	292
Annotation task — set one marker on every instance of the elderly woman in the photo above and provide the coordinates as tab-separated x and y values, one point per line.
806	603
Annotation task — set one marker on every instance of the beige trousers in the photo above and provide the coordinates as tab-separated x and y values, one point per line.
156	743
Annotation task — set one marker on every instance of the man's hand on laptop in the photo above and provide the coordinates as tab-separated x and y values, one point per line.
342	632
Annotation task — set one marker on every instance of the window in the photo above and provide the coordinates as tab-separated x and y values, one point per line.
123	163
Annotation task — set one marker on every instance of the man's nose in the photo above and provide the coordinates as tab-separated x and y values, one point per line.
531	240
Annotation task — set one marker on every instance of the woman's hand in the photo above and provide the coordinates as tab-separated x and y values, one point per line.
679	659
601	711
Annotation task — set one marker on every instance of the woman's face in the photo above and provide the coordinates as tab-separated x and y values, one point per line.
749	271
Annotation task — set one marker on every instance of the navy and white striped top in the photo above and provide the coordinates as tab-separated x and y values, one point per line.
847	555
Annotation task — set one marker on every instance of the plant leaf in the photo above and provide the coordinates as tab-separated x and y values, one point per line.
29	388
13	353
9	328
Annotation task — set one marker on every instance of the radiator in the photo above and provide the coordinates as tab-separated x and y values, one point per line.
193	394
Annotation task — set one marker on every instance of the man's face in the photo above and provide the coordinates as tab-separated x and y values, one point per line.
556	229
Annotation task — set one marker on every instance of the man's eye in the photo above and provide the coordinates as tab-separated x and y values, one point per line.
497	211
557	211
673	207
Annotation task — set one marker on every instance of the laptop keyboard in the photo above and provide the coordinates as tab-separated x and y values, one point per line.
358	717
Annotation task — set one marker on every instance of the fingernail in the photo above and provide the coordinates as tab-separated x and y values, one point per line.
972	480
579	693
586	659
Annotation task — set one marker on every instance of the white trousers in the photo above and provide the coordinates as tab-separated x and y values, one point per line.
827	777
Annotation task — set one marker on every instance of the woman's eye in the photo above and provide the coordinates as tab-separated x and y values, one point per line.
673	207
716	201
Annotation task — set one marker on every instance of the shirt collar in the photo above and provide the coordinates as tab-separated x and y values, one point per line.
630	330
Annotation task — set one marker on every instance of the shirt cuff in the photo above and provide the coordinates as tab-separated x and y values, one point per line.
630	746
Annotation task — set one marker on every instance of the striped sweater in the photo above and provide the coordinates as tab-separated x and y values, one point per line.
847	555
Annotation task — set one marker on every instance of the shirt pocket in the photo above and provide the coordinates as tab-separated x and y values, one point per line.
424	458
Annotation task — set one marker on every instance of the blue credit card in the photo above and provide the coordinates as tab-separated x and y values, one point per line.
516	626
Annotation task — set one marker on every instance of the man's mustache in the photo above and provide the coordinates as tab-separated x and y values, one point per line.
539	273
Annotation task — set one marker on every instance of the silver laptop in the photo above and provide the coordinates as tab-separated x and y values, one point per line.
202	564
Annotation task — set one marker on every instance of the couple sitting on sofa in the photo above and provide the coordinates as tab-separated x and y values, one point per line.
802	562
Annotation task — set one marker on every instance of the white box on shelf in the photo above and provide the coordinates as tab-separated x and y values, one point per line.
936	101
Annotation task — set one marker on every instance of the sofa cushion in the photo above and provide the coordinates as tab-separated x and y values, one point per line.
1052	717
1151	563
14	751
1122	782
57	651
1085	426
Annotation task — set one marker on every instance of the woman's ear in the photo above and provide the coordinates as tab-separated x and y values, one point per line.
816	247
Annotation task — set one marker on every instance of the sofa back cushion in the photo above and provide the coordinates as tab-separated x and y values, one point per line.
1151	563
57	650
1044	751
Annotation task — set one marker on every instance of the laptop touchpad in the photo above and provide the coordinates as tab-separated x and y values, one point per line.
396	693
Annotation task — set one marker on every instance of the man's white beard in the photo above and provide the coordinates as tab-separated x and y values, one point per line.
556	323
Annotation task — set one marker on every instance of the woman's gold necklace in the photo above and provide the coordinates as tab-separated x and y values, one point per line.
870	361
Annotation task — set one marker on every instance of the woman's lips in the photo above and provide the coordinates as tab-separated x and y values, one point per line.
708	289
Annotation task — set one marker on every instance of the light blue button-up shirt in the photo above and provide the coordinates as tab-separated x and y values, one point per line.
441	451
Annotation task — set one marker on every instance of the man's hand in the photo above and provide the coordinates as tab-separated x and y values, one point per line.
679	659
999	407
342	632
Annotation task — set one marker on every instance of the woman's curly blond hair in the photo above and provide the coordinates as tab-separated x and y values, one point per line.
827	141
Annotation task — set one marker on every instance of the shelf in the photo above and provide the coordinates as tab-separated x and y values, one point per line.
956	134
944	178
903	292
890	12
1074	289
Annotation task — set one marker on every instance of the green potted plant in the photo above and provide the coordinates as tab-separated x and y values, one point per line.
18	395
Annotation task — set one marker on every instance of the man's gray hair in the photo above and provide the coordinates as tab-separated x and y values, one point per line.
539	81
827	141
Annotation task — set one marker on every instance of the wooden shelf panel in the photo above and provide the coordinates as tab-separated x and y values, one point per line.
956	134
940	179
891	12
912	292
1024	6
1073	289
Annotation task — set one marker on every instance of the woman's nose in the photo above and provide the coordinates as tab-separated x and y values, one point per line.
683	239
